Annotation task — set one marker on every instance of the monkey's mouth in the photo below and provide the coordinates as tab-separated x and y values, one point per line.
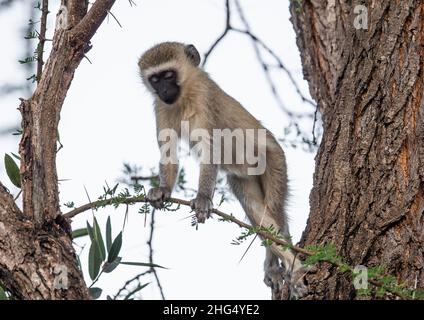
168	97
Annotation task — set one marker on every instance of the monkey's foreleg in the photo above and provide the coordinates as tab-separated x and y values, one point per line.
202	204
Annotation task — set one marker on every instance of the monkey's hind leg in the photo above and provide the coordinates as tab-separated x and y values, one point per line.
249	192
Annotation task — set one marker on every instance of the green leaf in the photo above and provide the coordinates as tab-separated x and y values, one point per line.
108	234
16	156
3	295
142	264
90	231
95	292
12	170
94	261
79	233
99	239
110	266
115	248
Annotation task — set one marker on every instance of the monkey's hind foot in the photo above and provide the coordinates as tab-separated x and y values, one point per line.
298	288
276	277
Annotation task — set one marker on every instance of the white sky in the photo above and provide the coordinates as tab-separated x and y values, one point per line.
107	119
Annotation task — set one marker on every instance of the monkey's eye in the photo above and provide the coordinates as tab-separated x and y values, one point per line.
154	79
169	74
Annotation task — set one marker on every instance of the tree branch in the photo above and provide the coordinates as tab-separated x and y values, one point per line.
7	203
43	243
224	33
88	26
142	199
42	38
264	233
259	46
77	10
150	244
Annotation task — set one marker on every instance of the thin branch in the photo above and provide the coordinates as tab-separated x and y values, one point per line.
128	282
88	26
279	65
226	217
142	199
42	38
256	40
259	46
116	19
144	178
150	244
224	33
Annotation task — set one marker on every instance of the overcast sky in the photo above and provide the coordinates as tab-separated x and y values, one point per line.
107	119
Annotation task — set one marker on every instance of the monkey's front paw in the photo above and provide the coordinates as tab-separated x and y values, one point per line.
202	206
157	196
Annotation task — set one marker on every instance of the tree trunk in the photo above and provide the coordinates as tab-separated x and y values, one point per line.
368	192
37	259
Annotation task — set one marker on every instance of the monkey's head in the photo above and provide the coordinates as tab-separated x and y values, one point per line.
165	67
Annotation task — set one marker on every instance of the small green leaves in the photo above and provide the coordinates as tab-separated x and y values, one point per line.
18	132
95	292
99	239
78	233
28	60
97	253
31	35
108	234
110	266
94	261
69	204
115	248
90	231
327	252
145	208
3	295
12	170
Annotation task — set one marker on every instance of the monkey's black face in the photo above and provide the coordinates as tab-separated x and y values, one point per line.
165	85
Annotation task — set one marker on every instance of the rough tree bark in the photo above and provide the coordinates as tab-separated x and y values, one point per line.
35	243
368	192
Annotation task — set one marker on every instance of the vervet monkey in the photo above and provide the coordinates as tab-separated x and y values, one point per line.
184	93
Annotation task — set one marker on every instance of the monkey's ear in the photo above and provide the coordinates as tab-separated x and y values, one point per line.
192	54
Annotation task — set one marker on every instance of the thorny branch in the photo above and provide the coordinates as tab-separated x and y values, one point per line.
128	282
152	270
224	33
258	44
150	244
42	38
226	217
